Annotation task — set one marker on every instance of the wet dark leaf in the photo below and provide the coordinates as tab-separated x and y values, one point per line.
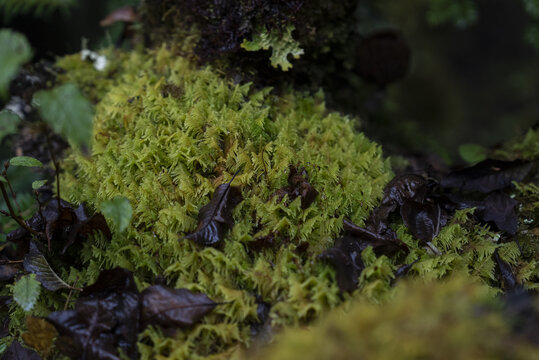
403	269
106	317
298	185
500	209
508	280
15	351
8	271
423	220
383	57
405	187
487	176
345	257
216	217
35	262
173	308
386	244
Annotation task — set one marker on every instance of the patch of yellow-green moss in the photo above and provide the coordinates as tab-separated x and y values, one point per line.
453	319
167	133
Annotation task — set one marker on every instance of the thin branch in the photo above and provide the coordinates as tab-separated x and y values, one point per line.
56	168
13	215
39	206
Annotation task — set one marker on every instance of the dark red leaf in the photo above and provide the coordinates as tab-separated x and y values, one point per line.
423	220
173	308
487	176
105	318
15	351
298	185
345	257
500	209
386	244
216	217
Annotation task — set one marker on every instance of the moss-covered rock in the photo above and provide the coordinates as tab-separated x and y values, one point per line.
166	134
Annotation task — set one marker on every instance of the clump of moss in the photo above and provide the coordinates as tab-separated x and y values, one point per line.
167	154
455	319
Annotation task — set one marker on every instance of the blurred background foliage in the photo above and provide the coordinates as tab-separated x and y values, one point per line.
472	77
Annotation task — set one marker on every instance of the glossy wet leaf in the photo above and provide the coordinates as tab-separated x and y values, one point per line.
216	217
298	185
423	220
26	291
345	257
173	308
105	318
119	211
500	209
35	263
382	244
25	161
16	351
487	176
507	278
67	111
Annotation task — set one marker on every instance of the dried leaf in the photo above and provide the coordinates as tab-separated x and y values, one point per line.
105	318
500	209
382	245
345	257
173	307
423	220
215	217
298	185
15	351
487	176
40	334
35	263
508	280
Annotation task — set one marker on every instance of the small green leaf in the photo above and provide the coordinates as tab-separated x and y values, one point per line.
3	179
15	52
8	123
472	153
119	211
38	183
26	291
25	161
67	111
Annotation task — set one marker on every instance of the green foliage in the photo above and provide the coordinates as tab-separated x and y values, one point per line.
37	8
15	52
26	291
8	123
38	183
68	112
281	42
472	153
167	154
25	161
459	12
119	211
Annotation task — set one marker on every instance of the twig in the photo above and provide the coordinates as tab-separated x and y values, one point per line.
13	215
56	168
39	205
71	293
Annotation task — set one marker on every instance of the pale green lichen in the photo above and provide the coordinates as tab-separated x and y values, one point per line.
281	42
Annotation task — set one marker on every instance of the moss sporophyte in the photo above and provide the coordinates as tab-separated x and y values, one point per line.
168	135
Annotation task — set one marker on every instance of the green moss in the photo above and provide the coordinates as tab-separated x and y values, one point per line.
454	319
167	154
